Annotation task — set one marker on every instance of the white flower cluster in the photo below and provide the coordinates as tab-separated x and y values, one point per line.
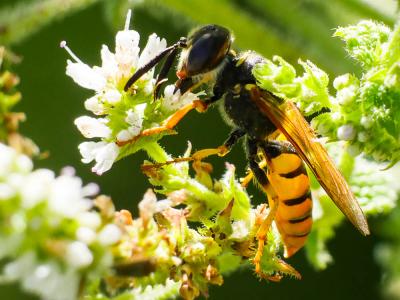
41	213
123	113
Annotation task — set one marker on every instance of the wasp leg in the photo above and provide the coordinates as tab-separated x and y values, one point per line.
162	76
222	150
246	180
260	175
198	156
170	123
141	71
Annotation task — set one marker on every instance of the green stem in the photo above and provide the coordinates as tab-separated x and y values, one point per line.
156	152
22	20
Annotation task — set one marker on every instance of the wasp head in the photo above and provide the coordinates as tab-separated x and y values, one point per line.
206	49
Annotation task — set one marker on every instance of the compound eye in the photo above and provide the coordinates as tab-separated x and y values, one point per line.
207	51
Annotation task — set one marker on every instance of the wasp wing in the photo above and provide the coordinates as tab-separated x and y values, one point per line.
289	120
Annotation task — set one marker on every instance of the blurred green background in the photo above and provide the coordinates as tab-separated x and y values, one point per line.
289	28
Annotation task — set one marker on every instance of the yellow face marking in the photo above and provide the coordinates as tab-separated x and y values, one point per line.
242	59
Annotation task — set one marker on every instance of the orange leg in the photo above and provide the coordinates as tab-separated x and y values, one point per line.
170	123
262	235
197	157
246	180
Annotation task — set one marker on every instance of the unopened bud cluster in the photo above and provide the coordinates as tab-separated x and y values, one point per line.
364	110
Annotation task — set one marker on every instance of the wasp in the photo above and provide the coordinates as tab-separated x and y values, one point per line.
279	140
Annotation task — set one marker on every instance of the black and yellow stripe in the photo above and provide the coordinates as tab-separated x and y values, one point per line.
288	177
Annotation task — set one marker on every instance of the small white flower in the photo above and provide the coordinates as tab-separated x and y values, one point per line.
68	171
109	66
174	101
240	230
342	81
127	51
6	159
36	187
94	105
108	81
24	164
89	219
65	197
112	96
20	267
105	158
86	235
103	153
148	204
366	122
346	95
78	255
109	235
88	150
85	76
346	132
59	285
153	47
91	189
92	127
162	205
135	117
125	135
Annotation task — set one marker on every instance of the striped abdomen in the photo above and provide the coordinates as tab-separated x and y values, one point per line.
288	177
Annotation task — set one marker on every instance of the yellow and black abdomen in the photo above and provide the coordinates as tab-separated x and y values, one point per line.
288	177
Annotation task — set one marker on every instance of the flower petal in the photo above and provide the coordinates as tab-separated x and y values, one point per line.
88	150
124	135
94	105
85	76
109	65
105	157
154	46
173	101
112	96
127	51
92	127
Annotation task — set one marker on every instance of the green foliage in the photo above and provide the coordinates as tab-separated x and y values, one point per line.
23	19
205	228
364	110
